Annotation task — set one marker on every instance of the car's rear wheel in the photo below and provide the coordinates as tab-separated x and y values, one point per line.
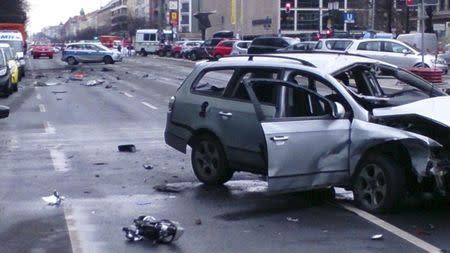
108	60
209	161
193	57
378	184
72	61
143	52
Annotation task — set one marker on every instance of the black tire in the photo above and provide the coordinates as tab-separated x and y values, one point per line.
177	55
160	53
378	184
50	57
193	57
144	53
108	60
168	54
209	161
72	61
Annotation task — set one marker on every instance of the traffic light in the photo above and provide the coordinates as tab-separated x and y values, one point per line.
288	7
410	3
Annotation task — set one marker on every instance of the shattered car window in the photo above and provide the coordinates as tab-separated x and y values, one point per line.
213	82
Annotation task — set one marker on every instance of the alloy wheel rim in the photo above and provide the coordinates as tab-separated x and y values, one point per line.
207	159
371	186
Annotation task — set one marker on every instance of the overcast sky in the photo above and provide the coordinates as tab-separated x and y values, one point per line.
51	12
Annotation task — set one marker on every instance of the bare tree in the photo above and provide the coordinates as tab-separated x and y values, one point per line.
13	11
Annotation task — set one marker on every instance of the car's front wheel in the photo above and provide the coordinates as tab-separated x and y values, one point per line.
209	161
378	184
72	61
193	56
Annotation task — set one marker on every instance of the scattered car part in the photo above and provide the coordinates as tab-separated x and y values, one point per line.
162	231
147	166
54	200
127	148
167	188
377	237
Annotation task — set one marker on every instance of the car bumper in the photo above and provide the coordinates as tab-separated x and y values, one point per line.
43	53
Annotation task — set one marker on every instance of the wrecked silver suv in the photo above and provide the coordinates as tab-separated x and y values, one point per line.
311	121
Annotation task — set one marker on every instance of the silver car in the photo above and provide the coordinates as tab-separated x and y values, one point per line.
240	47
397	53
311	121
89	52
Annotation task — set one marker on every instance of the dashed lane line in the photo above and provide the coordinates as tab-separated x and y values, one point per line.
392	229
150	106
42	108
128	95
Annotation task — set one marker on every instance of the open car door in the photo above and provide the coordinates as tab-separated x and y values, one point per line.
307	143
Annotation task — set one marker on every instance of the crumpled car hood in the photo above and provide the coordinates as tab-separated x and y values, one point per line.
435	109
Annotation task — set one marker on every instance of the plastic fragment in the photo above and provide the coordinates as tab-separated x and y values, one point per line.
167	188
198	222
147	166
377	237
54	200
292	219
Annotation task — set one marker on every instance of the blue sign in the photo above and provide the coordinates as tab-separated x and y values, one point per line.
349	17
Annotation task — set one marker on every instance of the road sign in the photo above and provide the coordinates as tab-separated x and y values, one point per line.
439	27
173	5
349	17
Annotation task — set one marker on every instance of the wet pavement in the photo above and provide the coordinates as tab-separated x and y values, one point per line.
65	137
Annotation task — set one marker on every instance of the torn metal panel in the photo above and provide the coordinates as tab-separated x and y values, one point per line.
306	154
366	135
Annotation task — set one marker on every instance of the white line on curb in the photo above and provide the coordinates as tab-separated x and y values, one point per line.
393	229
42	108
128	94
149	105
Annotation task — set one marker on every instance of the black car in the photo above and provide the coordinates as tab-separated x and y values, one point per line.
263	45
5	75
164	50
205	50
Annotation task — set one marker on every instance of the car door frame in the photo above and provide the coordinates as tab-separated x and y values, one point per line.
286	170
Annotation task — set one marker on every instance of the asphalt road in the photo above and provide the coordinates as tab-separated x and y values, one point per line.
65	137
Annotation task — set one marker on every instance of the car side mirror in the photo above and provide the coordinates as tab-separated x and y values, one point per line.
4	112
338	111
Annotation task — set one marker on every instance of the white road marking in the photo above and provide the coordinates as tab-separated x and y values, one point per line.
49	129
149	105
128	94
38	96
42	108
59	160
393	229
71	227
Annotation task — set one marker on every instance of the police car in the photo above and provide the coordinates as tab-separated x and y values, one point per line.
89	52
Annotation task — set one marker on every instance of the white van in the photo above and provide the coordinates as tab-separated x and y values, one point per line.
15	41
148	40
415	40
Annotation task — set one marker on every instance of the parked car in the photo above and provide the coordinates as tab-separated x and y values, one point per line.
5	75
333	44
42	49
240	47
446	54
13	66
300	47
397	53
88	52
179	48
224	48
164	50
311	121
205	50
415	40
264	45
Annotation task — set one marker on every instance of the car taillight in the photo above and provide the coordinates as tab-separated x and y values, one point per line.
171	103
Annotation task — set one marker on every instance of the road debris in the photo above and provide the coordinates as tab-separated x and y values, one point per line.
106	69
162	231
377	237
54	200
147	166
127	148
145	76
42	84
38	76
198	222
97	175
77	76
343	194
108	86
59	92
167	188
143	203
58	99
292	219
118	78
93	83
101	163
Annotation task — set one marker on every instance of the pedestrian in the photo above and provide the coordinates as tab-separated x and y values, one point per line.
119	48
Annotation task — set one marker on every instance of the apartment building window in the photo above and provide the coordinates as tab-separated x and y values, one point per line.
308	20
287	20
185	7
307	4
185	19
